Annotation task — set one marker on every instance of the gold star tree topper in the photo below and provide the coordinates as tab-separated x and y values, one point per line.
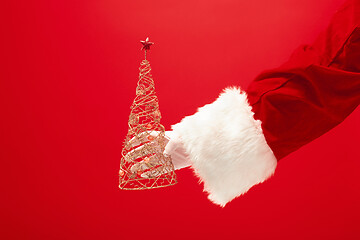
146	44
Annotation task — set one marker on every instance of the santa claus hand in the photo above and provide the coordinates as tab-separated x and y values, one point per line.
174	148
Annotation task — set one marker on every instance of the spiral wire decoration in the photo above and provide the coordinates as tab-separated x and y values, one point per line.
143	164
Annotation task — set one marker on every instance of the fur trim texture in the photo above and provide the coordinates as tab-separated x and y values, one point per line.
226	145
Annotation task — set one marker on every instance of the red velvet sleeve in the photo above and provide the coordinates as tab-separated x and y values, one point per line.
315	90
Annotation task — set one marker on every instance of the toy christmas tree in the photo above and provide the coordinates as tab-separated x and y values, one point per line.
143	164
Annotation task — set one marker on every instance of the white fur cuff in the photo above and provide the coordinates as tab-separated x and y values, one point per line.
226	145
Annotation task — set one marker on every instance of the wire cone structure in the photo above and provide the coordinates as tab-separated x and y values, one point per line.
143	164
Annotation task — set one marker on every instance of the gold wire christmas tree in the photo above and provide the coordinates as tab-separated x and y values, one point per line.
143	164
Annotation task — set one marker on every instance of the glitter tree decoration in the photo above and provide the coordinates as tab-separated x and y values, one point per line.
143	164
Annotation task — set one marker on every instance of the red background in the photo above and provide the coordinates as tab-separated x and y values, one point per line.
68	76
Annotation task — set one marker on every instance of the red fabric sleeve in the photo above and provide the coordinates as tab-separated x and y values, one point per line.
315	90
